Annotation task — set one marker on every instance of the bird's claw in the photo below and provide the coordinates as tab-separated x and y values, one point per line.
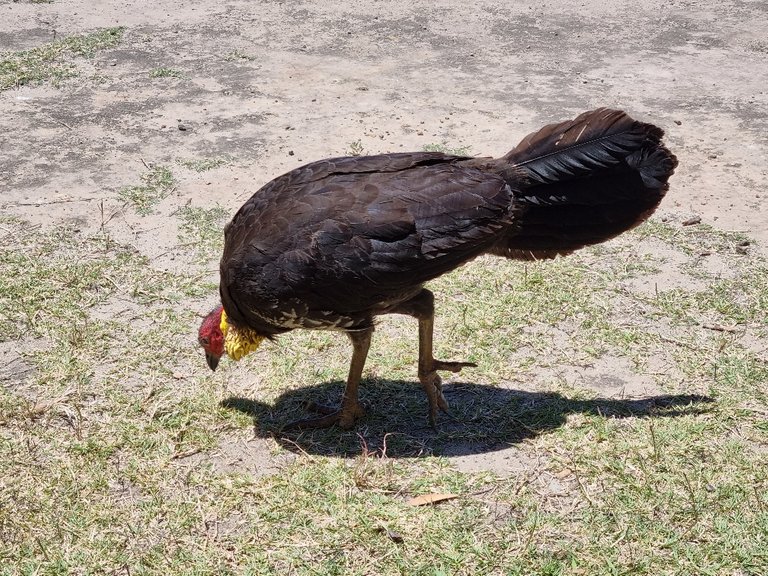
344	417
433	386
320	408
451	366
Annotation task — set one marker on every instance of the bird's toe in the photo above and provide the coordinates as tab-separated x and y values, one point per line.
344	417
451	366
433	388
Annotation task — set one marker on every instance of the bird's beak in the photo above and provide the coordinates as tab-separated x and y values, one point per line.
212	360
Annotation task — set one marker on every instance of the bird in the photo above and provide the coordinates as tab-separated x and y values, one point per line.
337	243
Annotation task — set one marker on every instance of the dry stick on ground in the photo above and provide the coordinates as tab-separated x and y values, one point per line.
47	202
721	328
62	123
677	342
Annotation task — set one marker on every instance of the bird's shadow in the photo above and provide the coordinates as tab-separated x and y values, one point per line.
483	418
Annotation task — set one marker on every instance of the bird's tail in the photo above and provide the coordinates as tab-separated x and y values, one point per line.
582	182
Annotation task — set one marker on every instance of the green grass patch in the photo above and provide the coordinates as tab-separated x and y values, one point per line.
238	56
122	453
447	149
203	164
693	240
53	61
165	72
156	185
355	148
52	279
202	229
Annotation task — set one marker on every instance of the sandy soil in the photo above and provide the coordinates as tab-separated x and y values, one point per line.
276	84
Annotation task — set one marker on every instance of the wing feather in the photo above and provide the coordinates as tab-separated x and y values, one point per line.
353	232
568	150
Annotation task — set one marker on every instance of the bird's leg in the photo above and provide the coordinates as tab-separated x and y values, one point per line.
350	409
428	367
422	307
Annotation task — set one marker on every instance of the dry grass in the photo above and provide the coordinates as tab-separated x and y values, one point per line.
53	62
119	446
155	185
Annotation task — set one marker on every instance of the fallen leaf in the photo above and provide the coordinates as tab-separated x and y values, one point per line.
425	499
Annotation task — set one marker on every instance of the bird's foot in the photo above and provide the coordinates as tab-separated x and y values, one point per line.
344	417
451	366
433	386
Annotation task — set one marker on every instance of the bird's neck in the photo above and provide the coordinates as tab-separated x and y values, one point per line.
238	342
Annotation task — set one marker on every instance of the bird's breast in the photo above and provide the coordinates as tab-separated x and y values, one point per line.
292	315
318	320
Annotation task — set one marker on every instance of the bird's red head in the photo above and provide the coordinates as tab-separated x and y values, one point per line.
211	338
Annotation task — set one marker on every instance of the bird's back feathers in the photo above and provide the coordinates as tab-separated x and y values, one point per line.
353	234
583	182
335	242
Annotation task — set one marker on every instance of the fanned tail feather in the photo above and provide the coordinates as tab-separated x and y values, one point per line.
583	182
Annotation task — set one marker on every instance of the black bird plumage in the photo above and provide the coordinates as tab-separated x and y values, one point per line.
335	243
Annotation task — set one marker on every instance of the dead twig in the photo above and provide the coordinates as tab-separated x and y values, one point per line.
720	328
186	453
62	123
48	202
677	342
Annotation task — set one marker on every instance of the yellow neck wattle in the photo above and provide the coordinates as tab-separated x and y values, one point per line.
238	342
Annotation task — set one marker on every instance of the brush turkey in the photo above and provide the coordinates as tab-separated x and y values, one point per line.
335	243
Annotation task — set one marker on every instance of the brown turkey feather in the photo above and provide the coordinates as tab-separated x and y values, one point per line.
592	141
584	181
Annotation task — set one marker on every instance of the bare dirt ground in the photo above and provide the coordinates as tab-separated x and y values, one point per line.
277	84
258	88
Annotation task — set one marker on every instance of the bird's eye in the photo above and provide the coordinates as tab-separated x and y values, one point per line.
204	341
